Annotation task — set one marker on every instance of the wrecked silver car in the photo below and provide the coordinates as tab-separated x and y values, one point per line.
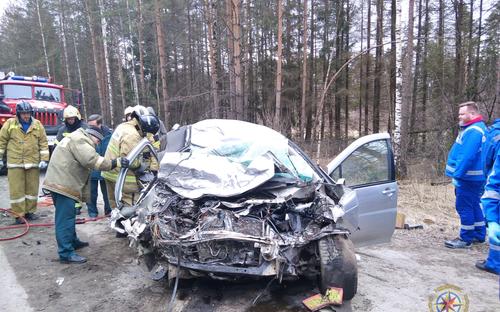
235	199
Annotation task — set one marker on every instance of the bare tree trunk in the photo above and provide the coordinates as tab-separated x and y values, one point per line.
416	77
97	63
236	30
43	37
398	109
104	31
346	51
470	51
459	61
478	47
303	114
122	59
424	72
163	61
377	87
406	92
392	78
360	116
80	80
368	61
140	26
132	61
63	38
279	56
212	48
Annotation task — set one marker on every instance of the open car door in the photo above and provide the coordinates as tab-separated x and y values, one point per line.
367	165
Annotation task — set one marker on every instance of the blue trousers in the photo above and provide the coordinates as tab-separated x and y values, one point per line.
493	261
65	225
92	205
468	199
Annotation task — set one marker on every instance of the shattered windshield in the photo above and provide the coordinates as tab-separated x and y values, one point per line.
228	157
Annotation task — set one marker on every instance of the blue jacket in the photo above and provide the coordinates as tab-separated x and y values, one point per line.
465	161
491	196
491	146
101	150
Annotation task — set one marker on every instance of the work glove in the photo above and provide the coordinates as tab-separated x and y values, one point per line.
120	162
42	165
1	164
494	233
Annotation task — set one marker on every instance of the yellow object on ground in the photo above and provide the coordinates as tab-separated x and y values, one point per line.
333	296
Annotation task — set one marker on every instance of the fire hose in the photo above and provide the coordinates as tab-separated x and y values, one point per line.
28	225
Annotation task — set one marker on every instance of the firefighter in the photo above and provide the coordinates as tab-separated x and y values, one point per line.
491	205
67	179
127	112
24	139
465	167
72	122
126	136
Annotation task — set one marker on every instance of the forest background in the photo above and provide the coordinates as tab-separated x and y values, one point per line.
322	72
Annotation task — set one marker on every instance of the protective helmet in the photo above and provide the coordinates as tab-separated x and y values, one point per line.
139	110
71	111
151	110
23	107
149	123
128	110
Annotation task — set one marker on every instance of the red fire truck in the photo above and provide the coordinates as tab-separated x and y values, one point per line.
46	98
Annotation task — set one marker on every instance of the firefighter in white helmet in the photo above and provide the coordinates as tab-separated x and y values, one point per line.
72	122
127	112
126	136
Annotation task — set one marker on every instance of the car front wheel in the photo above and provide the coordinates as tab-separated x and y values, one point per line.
338	267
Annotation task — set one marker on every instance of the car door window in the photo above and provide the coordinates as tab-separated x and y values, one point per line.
369	164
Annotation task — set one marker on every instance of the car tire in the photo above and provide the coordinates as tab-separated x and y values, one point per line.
338	267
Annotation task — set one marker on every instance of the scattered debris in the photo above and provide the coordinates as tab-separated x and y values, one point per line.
413	226
60	281
429	221
333	296
400	220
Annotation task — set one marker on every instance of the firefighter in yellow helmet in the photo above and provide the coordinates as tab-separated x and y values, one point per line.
72	122
126	136
24	139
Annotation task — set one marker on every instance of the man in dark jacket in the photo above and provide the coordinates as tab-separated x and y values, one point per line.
95	120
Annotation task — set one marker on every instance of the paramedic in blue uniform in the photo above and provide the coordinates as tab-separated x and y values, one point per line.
491	146
491	206
465	167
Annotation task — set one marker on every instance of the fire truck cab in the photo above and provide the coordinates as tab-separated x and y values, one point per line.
46	98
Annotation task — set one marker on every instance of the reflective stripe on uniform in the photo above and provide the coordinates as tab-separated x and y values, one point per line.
474	172
44	152
450	168
491	194
78	205
114	176
494	247
2	151
18	200
29	197
481	223
467	227
99	162
24	166
114	149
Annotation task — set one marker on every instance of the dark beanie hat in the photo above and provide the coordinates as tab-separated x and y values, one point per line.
95	131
